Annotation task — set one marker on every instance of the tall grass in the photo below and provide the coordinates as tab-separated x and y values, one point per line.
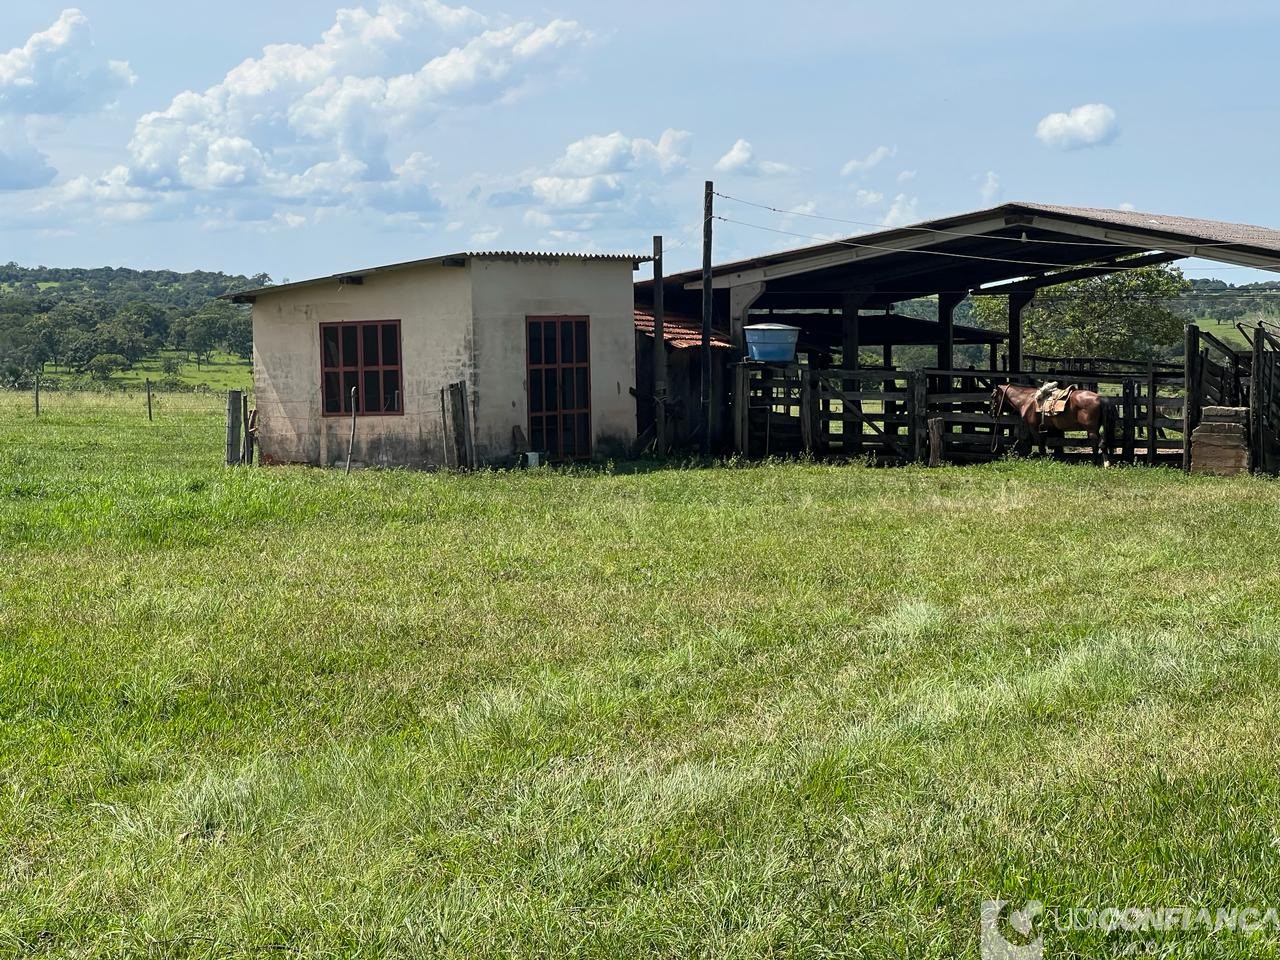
785	710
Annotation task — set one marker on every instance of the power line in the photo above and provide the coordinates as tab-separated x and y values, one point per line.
957	233
1113	267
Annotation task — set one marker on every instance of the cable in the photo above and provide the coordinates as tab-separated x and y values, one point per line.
956	233
935	253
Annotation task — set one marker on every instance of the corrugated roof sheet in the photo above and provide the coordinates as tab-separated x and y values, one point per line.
407	264
680	331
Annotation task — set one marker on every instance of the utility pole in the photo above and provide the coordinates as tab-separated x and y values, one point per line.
659	355
707	213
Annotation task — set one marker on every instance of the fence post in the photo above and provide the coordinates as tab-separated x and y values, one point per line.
1190	391
1151	414
918	412
1129	412
149	417
37	388
246	456
233	427
936	440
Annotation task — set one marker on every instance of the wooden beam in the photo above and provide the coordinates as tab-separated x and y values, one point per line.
741	299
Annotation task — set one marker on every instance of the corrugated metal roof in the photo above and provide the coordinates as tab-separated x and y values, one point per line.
347	275
1158	231
680	331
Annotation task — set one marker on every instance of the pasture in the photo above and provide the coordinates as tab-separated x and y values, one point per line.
779	710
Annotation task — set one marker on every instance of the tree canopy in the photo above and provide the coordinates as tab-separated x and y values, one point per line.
1131	314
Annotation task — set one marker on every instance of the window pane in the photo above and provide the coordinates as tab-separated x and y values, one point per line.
535	342
584	434
333	391
549	342
566	388
329	348
582	352
390	344
566	342
350	351
370	335
371	394
551	390
583	393
349	381
537	438
391	390
535	391
567	435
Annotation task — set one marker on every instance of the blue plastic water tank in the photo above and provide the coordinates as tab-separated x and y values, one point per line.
772	342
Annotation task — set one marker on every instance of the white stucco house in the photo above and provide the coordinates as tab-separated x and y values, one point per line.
544	344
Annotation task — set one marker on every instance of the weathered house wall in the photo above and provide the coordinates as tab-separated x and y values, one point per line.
464	322
433	305
504	293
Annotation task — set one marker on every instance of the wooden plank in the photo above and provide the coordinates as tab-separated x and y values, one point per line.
935	441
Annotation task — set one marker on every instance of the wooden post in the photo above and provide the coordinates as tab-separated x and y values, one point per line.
659	354
1190	392
947	303
708	199
1129	412
850	344
1255	401
149	417
37	393
233	427
918	413
935	441
246	451
1017	303
1151	413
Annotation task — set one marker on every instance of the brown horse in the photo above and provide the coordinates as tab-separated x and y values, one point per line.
1086	410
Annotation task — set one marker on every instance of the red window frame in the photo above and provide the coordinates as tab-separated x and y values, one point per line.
368	355
558	385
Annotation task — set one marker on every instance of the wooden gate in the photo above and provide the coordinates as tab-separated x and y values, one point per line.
1264	400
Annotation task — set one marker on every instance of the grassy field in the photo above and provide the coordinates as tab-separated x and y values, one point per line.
784	710
222	372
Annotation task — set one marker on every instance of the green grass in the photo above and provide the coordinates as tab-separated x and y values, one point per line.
785	710
222	372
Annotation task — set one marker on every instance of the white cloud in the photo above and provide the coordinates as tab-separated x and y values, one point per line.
1090	125
868	198
335	123
741	159
906	176
22	166
902	211
616	153
486	235
572	192
1127	207
57	72
990	188
869	162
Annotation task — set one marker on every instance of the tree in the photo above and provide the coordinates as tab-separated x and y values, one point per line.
105	364
1126	315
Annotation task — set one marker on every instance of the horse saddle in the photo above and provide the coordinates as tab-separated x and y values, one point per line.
1052	397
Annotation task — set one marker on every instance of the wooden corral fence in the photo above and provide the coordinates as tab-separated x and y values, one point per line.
894	416
792	409
1264	399
1148	407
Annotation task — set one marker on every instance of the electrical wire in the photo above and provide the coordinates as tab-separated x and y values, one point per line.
1112	267
956	233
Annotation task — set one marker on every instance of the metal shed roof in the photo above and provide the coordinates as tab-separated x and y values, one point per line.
449	260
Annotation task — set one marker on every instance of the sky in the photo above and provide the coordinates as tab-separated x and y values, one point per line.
301	138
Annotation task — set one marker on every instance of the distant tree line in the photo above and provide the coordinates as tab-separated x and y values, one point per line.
99	321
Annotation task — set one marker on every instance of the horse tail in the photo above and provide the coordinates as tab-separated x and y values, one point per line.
1108	428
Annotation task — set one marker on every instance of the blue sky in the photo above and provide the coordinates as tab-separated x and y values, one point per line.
301	138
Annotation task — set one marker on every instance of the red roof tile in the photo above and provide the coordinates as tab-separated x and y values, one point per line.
681	332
